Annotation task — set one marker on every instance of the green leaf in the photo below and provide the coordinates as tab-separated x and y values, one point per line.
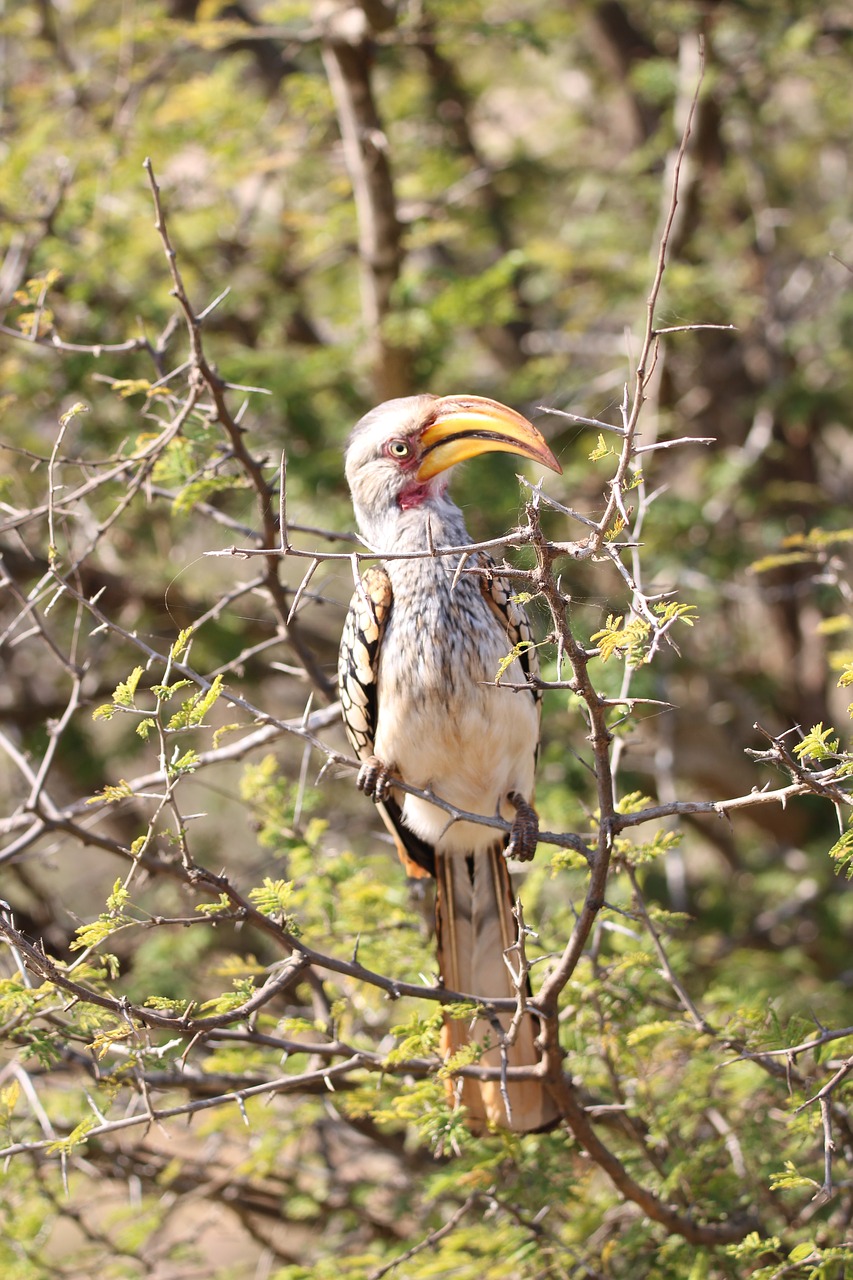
90	935
119	897
166	1004
193	711
616	638
818	744
842	853
649	1031
781	560
833	626
127	387
107	1037
126	689
516	652
214	908
187	763
9	1096
190	495
75	1138
166	691
602	450
633	802
272	897
671	609
73	412
112	793
180	646
244	989
790	1179
419	1037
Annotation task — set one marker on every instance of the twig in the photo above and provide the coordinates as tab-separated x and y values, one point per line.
429	1242
282	1084
206	374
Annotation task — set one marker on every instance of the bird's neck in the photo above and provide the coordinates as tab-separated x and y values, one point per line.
433	522
429	527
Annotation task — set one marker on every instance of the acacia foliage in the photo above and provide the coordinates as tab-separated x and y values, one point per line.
205	928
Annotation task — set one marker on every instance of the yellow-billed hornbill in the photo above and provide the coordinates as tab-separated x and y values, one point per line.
419	659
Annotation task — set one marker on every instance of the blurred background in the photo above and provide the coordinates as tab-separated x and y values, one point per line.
368	200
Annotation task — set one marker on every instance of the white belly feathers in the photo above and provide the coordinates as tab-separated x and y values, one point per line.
443	724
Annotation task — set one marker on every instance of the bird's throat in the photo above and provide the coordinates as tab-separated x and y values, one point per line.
414	495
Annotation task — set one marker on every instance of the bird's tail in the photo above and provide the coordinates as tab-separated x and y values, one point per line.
474	926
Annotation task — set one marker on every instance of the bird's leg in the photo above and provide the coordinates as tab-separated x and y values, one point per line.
375	779
525	829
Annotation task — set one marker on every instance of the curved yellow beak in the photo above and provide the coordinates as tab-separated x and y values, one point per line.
465	426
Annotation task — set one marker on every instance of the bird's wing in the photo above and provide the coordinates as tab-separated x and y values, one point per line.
358	671
358	661
500	596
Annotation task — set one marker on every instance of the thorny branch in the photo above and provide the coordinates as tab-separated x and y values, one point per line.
202	371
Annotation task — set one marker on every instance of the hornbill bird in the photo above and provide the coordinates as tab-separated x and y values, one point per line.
420	654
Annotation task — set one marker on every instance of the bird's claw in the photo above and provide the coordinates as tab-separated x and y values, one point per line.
524	835
375	779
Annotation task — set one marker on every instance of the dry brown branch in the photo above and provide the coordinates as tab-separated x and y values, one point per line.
310	1080
203	374
429	1241
347	61
651	1205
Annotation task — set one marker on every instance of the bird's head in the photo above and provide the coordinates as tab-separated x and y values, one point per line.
399	454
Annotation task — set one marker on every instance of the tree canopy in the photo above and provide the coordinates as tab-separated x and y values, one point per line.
229	229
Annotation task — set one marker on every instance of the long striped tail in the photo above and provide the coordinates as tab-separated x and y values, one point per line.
474	926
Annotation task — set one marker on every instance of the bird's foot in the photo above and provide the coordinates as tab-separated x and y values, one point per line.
524	835
375	779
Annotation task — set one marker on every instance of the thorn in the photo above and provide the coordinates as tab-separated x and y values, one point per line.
458	574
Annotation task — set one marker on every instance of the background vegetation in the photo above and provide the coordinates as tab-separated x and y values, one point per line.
219	1018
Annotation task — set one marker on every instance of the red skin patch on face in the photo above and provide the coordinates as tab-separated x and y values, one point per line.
414	496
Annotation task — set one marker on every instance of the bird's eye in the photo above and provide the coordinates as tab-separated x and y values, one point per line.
398	449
